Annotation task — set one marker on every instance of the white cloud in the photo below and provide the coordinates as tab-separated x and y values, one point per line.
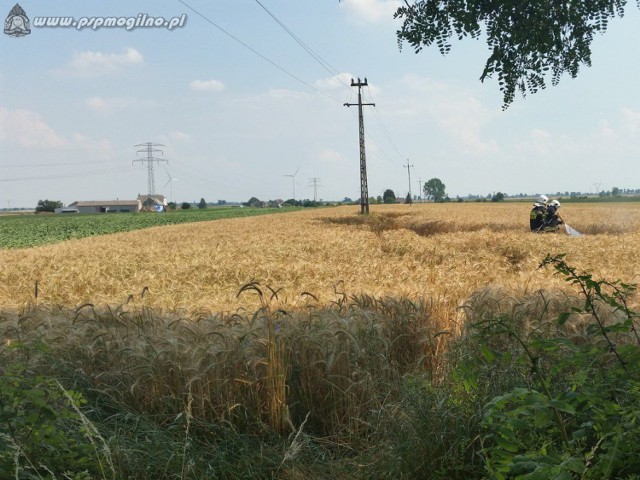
372	11
539	142
605	130
27	129
172	139
179	136
284	94
82	141
330	157
425	85
456	111
111	104
336	82
95	64
207	85
630	119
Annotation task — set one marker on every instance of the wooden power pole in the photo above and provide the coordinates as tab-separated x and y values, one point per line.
364	188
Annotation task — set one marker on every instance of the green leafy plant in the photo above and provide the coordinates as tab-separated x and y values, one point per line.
575	414
21	231
42	430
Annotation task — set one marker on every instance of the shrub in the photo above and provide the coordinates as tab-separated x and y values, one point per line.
572	412
48	206
42	430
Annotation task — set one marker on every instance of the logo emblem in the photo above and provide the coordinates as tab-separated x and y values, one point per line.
17	23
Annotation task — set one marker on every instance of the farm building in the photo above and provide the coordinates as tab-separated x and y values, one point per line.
107	206
67	210
152	202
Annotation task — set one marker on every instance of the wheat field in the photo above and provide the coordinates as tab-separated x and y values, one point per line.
443	252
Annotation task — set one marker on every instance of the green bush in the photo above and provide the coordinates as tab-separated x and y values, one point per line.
42	431
575	414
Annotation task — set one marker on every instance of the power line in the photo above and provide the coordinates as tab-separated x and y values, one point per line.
72	175
326	65
384	127
323	63
44	165
254	51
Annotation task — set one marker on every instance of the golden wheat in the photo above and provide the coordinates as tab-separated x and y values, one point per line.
444	252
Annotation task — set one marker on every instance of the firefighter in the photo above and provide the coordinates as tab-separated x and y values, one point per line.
552	220
538	214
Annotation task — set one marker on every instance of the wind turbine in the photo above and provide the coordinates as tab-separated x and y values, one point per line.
293	181
170	183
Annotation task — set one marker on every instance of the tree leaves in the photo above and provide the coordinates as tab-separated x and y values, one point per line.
528	41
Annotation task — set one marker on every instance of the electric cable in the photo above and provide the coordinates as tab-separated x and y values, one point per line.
254	51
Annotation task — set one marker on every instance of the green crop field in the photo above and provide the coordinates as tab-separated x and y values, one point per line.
21	231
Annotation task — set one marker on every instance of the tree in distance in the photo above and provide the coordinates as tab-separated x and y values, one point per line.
202	204
48	206
388	196
185	206
498	197
408	199
528	41
253	202
435	189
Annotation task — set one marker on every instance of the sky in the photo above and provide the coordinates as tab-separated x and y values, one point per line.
246	93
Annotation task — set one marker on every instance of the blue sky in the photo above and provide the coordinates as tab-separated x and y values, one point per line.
74	103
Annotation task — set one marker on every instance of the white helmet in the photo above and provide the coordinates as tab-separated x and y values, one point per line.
543	199
555	203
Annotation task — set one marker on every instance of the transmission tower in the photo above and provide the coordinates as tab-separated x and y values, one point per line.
364	188
150	150
597	186
314	182
420	190
409	172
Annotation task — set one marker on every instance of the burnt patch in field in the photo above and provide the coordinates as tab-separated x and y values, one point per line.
379	223
427	229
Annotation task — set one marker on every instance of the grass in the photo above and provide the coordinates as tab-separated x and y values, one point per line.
22	231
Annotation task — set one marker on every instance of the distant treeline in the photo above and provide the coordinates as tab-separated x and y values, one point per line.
605	198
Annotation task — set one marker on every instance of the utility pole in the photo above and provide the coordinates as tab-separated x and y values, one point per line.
314	182
409	172
150	150
420	190
364	188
